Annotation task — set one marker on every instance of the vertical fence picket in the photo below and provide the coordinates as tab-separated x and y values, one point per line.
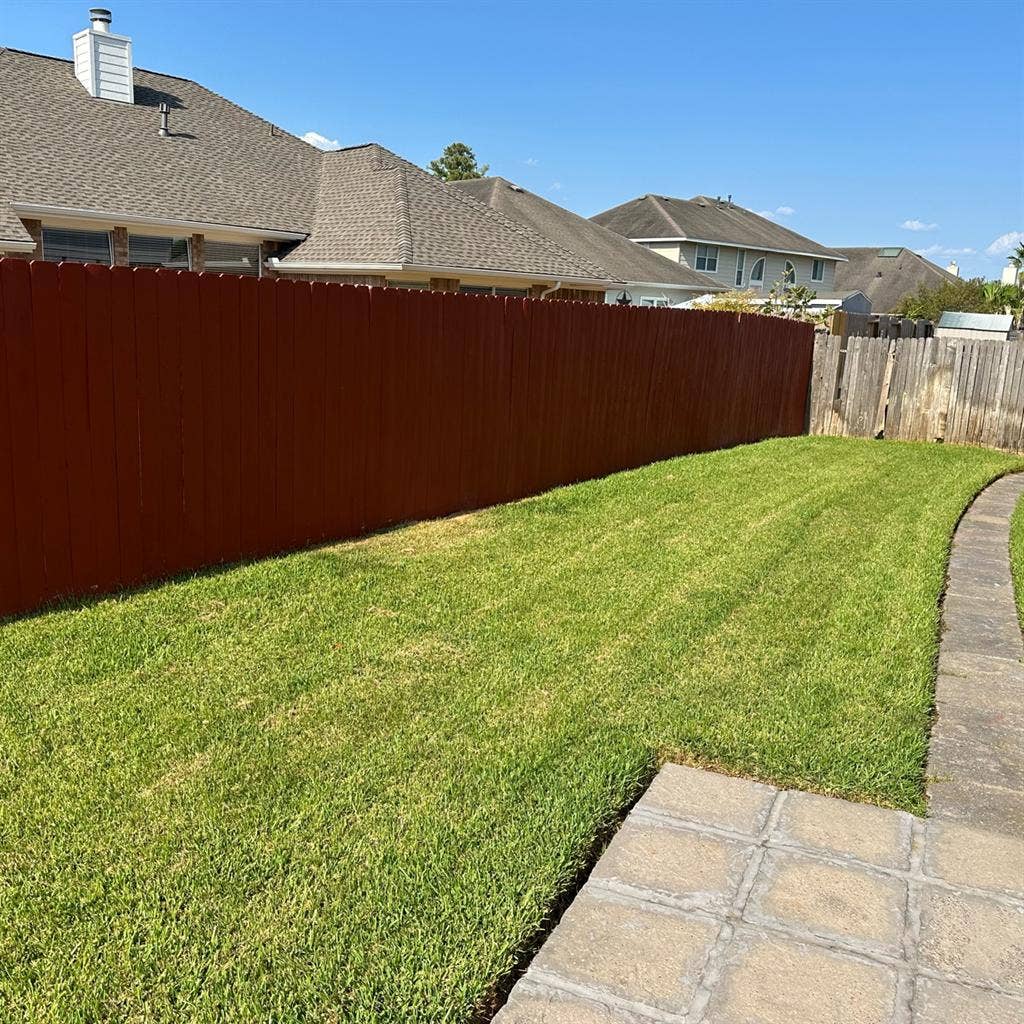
153	422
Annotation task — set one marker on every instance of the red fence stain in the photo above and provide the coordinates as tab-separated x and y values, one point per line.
155	422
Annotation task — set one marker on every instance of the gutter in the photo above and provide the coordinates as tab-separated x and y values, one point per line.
350	267
838	257
40	210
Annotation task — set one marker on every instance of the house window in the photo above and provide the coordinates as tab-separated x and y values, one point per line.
757	272
486	289
651	300
65	245
707	258
230	258
818	270
158	251
789	277
741	258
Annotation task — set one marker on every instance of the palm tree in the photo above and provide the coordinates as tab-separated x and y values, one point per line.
1017	256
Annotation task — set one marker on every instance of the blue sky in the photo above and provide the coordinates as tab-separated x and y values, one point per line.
855	123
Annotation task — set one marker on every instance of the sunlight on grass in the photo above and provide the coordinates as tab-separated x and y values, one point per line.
350	783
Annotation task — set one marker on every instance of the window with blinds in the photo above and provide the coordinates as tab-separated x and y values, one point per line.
158	251
68	246
230	258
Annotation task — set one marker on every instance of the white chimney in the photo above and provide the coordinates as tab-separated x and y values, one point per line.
103	61
953	268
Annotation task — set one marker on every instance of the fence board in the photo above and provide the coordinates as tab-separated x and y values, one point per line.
153	422
957	390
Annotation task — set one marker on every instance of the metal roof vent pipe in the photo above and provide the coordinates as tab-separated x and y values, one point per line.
100	18
164	115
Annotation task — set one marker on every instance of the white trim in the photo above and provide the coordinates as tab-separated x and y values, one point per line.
746	245
702	288
346	267
10	245
39	210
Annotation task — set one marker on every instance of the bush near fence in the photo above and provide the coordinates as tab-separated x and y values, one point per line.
155	422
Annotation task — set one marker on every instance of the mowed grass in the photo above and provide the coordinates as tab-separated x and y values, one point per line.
351	783
1017	557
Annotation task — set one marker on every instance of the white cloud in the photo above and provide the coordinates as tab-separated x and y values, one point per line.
531	161
556	186
944	250
321	141
918	225
1004	243
779	211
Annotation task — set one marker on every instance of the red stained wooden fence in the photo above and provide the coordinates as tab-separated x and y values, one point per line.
154	422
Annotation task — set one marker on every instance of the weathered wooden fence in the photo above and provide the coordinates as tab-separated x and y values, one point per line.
920	389
153	422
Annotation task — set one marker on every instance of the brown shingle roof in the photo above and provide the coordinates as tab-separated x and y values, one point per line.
706	220
376	207
619	256
885	280
222	165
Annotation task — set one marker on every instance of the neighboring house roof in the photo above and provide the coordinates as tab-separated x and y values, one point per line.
976	321
620	257
376	207
220	165
64	151
887	275
703	219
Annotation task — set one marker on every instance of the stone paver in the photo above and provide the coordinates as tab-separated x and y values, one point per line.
976	755
725	901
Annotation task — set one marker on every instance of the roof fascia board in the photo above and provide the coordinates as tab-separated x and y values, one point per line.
749	247
346	267
37	210
15	245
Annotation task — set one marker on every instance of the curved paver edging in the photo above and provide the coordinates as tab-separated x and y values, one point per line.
976	753
722	900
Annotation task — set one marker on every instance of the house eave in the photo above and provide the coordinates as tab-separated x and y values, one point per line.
749	247
40	211
350	267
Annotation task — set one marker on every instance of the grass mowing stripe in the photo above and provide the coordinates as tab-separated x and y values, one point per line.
348	784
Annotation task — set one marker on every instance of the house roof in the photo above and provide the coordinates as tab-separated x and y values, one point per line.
704	219
220	164
620	257
886	279
376	207
64	150
976	321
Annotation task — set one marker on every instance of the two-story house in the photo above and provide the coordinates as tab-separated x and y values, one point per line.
733	246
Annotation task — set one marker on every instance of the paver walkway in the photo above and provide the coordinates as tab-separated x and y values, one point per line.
976	755
724	901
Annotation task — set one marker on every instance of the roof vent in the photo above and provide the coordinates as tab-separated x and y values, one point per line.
103	61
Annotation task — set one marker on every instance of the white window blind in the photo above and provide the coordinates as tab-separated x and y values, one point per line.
66	245
158	251
230	258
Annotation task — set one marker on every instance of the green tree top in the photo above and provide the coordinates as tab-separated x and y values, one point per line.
457	163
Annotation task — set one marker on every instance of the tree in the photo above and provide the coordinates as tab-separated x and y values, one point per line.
1017	256
961	296
457	163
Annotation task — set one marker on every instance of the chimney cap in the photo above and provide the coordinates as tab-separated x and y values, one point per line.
99	16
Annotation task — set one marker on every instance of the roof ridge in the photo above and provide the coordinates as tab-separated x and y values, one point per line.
405	248
661	209
534	237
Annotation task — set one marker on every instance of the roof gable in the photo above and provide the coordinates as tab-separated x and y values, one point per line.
886	280
704	219
620	257
375	207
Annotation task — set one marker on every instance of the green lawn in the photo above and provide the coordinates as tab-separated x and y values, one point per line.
1017	557
349	784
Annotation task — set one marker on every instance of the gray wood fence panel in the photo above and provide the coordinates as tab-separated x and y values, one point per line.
919	389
